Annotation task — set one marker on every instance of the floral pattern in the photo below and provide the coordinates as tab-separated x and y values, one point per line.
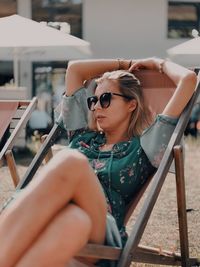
121	171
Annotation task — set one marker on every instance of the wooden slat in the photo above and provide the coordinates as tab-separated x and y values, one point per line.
12	167
143	254
21	102
100	252
24	103
49	154
155	256
10	142
181	203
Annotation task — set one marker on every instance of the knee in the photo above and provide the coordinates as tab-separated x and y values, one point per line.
71	157
81	220
69	161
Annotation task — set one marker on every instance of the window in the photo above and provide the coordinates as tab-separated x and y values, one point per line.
57	12
49	81
183	17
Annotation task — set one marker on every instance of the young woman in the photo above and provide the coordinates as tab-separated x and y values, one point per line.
109	159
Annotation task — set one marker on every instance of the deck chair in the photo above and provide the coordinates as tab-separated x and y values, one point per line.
158	89
14	115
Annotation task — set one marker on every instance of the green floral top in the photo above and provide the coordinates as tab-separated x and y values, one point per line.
123	170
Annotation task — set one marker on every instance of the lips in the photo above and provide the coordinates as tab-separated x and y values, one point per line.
100	117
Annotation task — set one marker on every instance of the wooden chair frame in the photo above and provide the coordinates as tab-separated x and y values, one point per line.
29	106
132	250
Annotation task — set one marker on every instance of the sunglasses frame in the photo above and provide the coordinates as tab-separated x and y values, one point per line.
101	101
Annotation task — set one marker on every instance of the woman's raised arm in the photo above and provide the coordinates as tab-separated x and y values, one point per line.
81	70
184	79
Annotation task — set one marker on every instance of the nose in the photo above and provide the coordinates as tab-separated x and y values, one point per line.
97	105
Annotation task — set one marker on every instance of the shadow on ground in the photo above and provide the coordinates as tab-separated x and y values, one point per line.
23	156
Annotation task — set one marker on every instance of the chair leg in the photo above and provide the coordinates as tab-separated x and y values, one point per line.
49	154
12	167
55	132
181	204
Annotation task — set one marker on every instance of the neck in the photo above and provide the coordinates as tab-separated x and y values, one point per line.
116	137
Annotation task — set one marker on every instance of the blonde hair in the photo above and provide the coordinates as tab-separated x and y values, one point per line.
130	86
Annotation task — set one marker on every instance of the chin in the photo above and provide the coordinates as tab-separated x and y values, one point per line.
103	126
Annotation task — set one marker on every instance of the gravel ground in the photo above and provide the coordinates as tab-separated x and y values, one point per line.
162	229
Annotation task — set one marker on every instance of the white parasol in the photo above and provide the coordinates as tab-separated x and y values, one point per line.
187	52
25	39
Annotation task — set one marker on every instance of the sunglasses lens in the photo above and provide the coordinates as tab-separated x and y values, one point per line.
91	101
105	100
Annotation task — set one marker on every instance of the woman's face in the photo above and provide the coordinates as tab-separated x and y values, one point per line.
118	113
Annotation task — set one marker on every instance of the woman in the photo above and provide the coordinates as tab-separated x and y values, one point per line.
65	206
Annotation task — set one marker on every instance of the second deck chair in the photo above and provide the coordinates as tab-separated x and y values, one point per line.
157	90
14	115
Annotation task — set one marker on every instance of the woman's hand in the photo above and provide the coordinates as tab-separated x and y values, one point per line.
147	63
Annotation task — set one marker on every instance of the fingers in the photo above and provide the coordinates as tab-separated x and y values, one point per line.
147	63
136	66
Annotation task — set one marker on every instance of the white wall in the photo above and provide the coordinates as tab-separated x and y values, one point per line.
127	28
24	8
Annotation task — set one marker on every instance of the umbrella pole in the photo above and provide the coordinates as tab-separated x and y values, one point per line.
16	67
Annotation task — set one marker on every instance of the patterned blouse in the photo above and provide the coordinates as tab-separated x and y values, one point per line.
122	170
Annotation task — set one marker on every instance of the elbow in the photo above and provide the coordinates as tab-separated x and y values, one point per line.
192	76
75	68
191	79
72	66
69	68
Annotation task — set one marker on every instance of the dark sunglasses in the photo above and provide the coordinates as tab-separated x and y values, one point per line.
104	100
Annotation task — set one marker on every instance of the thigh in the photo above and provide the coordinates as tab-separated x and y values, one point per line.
67	178
62	238
78	179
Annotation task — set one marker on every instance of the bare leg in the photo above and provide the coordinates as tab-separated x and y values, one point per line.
69	229
67	177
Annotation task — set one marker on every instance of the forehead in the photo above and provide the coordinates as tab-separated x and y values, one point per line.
106	86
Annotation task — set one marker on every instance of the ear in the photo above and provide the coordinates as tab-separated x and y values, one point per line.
132	105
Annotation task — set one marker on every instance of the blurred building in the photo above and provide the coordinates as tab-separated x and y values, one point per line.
115	28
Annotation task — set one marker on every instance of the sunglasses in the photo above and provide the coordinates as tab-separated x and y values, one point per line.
104	100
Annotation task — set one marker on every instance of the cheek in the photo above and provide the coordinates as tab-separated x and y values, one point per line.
119	114
121	109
